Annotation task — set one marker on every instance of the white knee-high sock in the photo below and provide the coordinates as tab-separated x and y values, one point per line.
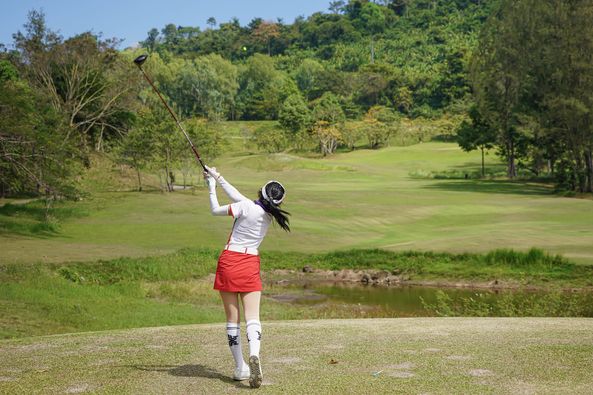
233	332
254	336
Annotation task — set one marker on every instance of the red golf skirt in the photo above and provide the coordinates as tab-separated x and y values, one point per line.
237	272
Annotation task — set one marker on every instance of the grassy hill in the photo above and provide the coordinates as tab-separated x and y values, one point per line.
398	198
420	355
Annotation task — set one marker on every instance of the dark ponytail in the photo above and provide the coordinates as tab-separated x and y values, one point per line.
275	191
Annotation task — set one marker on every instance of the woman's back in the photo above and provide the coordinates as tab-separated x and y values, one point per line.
251	224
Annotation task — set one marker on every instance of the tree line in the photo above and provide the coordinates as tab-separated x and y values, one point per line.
532	79
516	71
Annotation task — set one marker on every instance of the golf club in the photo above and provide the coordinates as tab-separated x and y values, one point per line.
139	61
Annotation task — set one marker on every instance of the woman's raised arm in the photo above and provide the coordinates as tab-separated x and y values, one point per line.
215	208
230	190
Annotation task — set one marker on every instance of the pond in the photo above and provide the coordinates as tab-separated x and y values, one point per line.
418	301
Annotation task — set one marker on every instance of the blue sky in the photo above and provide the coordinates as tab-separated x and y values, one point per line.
132	19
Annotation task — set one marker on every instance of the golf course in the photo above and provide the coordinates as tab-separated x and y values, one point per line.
351	197
124	259
397	198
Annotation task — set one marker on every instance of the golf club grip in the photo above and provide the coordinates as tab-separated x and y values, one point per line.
194	149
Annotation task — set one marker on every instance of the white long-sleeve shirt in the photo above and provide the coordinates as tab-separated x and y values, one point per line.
251	220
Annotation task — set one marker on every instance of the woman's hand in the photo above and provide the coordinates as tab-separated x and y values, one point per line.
213	172
211	181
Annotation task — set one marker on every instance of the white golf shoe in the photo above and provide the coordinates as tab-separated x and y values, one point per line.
256	376
241	374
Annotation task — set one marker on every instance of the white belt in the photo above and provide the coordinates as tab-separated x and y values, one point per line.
236	248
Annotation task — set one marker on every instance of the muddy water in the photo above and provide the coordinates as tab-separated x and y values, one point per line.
412	301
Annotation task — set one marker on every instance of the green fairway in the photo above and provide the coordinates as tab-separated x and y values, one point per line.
392	198
420	355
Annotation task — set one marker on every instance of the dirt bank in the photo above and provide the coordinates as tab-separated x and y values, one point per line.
385	278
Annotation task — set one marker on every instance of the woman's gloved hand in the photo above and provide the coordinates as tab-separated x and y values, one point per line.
210	178
213	172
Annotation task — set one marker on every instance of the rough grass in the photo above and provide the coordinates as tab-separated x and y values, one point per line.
420	355
39	299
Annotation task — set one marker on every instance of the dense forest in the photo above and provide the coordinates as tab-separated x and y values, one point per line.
512	75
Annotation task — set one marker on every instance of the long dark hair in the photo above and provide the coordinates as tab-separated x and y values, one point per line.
275	191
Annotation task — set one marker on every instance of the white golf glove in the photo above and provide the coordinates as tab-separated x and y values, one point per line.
210	180
213	172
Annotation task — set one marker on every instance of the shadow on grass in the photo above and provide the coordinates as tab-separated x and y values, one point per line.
493	186
29	219
24	220
191	371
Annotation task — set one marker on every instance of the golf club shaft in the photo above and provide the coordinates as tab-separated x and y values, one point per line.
193	147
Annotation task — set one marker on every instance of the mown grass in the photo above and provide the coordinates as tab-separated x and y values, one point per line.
378	356
176	288
362	199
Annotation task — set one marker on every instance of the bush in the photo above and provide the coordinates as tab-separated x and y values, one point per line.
270	138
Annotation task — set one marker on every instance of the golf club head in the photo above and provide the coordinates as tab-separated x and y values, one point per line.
140	60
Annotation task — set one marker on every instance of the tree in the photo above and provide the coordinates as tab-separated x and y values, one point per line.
309	75
500	75
476	134
403	99
265	33
533	81
372	83
212	83
211	22
270	138
206	136
328	136
564	69
294	115
337	6
170	36
152	40
400	7
328	118
380	124
137	148
351	133
263	89
36	152
372	19
84	78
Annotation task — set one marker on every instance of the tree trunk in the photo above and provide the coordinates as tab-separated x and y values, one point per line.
483	171
580	172
99	145
167	172
48	202
589	164
139	180
372	50
511	168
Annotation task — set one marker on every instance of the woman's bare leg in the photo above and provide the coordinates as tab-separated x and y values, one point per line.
251	302
230	301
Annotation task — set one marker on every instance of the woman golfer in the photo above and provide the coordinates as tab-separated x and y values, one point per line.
238	270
